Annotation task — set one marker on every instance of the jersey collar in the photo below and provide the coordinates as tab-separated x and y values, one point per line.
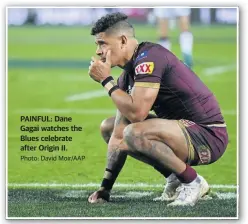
129	65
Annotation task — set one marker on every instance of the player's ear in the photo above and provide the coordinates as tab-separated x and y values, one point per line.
123	41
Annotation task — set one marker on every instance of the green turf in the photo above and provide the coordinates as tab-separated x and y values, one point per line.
73	203
31	87
76	43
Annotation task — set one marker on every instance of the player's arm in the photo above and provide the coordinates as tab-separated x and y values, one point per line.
116	155
116	158
135	107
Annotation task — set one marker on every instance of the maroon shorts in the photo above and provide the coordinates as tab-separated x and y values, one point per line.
206	143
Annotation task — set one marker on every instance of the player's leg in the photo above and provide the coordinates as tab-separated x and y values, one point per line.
209	143
163	15
165	142
118	151
186	37
172	182
107	126
106	129
159	138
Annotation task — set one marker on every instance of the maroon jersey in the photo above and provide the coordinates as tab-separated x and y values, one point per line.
182	95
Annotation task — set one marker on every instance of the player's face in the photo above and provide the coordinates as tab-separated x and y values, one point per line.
109	42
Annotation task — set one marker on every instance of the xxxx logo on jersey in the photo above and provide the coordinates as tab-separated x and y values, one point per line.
144	68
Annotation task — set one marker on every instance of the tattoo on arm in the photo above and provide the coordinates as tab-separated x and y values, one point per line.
120	119
116	157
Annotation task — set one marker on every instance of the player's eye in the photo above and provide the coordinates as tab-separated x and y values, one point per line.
101	43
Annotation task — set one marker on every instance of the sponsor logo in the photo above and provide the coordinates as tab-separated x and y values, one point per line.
144	68
204	154
141	56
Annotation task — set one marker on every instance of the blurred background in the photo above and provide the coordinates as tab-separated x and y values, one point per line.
49	51
87	16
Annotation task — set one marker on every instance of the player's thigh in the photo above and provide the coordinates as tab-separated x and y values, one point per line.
107	125
166	131
208	143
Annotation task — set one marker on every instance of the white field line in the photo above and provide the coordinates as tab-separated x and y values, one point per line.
64	78
84	111
226	195
140	194
58	78
87	95
83	193
117	185
218	70
133	194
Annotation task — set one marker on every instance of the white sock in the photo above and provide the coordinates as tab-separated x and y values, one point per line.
165	43
186	42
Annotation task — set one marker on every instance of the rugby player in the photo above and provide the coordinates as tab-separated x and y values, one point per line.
187	129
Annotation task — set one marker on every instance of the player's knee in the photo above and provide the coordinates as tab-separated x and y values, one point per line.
128	133
132	135
106	129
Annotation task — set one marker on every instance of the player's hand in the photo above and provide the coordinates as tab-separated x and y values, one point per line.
99	70
100	196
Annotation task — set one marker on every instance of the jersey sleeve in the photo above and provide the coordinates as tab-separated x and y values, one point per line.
121	81
149	68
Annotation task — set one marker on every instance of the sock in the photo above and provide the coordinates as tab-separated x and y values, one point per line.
165	42
186	42
188	175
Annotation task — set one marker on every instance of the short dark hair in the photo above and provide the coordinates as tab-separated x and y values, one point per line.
111	22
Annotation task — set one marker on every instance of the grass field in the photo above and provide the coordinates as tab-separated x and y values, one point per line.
47	75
